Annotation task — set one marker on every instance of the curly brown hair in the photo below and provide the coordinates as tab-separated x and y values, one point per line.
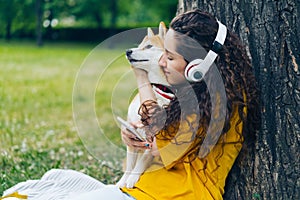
235	68
236	71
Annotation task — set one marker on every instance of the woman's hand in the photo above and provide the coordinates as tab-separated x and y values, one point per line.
144	85
154	149
141	77
140	73
131	140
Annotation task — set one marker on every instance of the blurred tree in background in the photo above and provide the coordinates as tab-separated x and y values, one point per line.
56	19
16	15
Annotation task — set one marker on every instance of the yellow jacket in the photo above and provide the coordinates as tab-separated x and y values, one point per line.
174	175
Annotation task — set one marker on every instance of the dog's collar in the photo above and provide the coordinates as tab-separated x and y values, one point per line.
163	91
163	88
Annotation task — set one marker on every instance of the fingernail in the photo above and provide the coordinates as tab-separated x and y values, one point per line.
140	125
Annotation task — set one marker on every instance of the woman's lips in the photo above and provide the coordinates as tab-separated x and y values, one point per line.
166	72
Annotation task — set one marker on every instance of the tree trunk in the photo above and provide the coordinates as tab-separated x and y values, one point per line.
8	13
39	22
271	31
8	30
114	14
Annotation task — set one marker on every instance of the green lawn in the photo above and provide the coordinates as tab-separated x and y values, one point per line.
37	129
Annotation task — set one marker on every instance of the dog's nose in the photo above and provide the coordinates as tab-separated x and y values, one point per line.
128	52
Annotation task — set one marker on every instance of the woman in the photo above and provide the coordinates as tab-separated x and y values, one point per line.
184	173
186	165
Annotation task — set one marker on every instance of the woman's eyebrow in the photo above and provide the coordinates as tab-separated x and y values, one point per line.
168	52
173	54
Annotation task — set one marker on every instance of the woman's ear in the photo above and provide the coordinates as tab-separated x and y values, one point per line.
162	30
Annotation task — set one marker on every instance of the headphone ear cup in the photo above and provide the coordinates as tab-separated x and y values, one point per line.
194	72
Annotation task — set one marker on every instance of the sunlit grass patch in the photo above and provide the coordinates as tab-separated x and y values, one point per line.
37	131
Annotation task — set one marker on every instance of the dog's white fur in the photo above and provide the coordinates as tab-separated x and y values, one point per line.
145	57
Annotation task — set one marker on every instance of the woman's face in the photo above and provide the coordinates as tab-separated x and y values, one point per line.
173	66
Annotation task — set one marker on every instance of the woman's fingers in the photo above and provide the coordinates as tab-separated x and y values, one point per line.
131	140
125	132
154	150
137	124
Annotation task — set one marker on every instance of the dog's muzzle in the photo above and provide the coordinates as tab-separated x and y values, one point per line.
130	59
128	52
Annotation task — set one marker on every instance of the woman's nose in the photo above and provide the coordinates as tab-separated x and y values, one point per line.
162	61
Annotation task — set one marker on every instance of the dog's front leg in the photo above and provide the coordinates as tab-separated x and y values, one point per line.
131	158
142	164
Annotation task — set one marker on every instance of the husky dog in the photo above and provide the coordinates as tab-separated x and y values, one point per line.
146	57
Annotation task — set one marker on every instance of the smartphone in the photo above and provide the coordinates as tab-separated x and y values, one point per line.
130	128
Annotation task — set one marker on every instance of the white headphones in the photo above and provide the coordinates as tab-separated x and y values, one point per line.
196	69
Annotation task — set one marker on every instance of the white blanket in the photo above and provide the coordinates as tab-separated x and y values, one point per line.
60	184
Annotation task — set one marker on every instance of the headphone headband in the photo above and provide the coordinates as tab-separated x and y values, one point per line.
222	32
197	68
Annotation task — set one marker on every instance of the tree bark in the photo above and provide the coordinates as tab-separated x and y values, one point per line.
270	29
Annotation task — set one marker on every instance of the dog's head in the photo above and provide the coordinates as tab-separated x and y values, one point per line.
148	53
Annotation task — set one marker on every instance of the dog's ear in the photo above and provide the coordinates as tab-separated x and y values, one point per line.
150	32
162	30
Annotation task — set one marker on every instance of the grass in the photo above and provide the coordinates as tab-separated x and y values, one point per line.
37	128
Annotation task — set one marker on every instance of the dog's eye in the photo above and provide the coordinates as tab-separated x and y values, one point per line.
148	46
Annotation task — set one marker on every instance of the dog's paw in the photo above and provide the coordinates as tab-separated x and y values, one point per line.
122	182
131	180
